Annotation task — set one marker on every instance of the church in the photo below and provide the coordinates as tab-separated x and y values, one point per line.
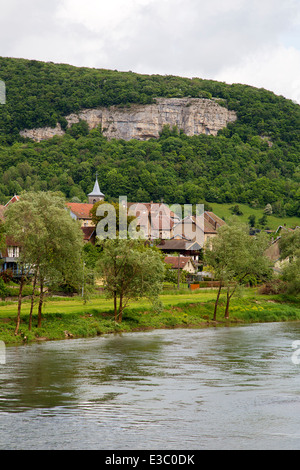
81	211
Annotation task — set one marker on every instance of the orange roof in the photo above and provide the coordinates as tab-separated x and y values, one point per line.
81	210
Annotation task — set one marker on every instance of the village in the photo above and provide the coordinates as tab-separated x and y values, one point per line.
181	240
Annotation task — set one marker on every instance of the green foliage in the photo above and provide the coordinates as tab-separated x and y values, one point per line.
253	161
290	251
130	270
237	258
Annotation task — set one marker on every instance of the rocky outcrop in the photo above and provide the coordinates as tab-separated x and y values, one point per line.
193	115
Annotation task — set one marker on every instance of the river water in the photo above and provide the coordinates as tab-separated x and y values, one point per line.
218	388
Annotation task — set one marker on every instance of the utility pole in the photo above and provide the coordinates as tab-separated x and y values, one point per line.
178	273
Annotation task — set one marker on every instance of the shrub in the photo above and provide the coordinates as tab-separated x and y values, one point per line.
275	287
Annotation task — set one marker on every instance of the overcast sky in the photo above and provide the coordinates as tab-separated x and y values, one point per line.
256	42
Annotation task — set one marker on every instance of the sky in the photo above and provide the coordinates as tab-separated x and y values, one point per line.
253	42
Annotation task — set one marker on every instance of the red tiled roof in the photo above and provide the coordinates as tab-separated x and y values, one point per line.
174	260
13	199
81	210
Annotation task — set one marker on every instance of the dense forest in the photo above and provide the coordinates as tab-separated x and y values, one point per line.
255	160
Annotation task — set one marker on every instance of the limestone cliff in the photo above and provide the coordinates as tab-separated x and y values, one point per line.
193	115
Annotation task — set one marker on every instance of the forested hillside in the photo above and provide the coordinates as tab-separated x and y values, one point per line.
255	160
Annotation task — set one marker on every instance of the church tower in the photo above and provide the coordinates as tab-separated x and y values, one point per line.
96	194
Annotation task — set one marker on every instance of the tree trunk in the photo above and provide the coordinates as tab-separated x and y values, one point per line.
41	303
217	301
120	308
32	301
115	307
178	273
19	304
227	304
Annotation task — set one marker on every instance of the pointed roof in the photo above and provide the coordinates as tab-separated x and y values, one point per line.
96	191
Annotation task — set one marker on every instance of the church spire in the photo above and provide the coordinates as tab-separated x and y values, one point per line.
96	195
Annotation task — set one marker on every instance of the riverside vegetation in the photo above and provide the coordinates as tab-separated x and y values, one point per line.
72	318
133	277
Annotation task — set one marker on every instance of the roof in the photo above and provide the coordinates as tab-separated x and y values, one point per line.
213	219
152	208
273	251
13	199
178	245
11	242
174	261
88	232
96	190
202	223
80	209
162	222
210	222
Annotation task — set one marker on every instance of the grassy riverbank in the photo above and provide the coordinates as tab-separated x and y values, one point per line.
71	318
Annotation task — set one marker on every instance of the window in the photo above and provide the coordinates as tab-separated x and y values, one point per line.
13	251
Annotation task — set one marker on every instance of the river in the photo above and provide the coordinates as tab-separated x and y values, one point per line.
216	388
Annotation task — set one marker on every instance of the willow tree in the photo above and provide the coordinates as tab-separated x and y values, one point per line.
50	243
235	256
130	270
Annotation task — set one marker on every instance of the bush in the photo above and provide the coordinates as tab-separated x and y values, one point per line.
272	288
3	289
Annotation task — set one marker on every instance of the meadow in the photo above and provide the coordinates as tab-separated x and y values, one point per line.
273	222
73	318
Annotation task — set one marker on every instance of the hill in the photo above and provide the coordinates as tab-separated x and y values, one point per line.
254	160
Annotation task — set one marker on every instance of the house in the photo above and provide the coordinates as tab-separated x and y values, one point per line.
89	234
81	211
213	219
185	248
184	263
156	220
15	198
273	251
198	228
10	258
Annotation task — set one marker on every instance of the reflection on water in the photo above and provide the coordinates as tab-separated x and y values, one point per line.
170	389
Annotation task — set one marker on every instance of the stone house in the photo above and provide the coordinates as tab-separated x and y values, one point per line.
198	228
184	263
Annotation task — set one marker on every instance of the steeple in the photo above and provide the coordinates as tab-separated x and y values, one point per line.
96	194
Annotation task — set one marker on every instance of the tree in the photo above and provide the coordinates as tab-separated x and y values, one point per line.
263	220
130	270
290	250
234	256
252	220
268	209
50	244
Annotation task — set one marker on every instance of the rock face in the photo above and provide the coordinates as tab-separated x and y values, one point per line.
193	115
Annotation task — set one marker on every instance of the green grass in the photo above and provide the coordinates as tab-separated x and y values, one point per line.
70	317
223	211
